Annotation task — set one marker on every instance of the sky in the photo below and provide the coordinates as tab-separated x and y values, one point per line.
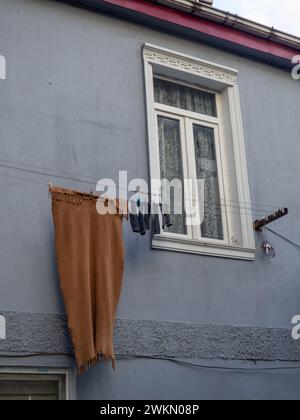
282	14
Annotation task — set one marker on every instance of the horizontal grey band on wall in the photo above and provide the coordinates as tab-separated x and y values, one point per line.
48	334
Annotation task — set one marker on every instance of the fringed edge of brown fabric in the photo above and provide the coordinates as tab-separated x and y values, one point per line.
84	366
71	196
77	197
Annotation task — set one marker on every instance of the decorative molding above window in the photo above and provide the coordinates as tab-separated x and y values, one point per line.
190	65
195	132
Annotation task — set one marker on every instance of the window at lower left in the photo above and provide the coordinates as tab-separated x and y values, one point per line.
32	387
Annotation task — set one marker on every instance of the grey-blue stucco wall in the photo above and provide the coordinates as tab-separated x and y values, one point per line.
74	101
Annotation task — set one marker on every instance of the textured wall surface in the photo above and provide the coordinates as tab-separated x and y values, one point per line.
73	101
29	333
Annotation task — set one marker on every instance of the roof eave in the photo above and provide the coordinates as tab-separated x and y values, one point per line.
233	20
205	24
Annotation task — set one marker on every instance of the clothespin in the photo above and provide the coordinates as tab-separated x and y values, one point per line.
138	197
50	189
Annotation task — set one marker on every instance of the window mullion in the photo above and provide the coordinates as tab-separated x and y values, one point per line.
220	164
184	113
192	175
185	166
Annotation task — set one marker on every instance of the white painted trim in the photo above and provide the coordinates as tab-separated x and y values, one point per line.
189	64
2	328
151	122
212	249
2	67
241	164
184	113
42	372
154	56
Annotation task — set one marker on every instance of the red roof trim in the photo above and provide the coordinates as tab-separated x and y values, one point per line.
213	29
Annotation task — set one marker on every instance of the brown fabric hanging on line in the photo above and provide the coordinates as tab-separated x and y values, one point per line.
90	258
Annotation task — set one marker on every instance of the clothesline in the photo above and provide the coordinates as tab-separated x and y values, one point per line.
283	237
227	208
96	179
56	174
47	185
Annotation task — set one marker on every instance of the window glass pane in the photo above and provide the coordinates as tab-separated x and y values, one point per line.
184	97
171	164
29	390
207	172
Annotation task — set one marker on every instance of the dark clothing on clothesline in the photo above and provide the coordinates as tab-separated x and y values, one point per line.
142	218
166	219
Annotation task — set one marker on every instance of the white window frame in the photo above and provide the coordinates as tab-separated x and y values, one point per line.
238	240
45	374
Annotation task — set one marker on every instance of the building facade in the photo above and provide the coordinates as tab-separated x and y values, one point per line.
204	314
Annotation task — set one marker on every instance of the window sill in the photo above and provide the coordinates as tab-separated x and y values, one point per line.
190	246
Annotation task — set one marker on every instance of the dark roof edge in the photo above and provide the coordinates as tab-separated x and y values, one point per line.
267	54
233	21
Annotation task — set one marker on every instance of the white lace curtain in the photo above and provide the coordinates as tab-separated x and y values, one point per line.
206	166
171	164
184	97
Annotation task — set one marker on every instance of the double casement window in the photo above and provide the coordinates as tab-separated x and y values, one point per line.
196	137
189	148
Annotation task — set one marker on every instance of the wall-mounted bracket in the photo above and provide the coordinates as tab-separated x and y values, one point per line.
260	223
